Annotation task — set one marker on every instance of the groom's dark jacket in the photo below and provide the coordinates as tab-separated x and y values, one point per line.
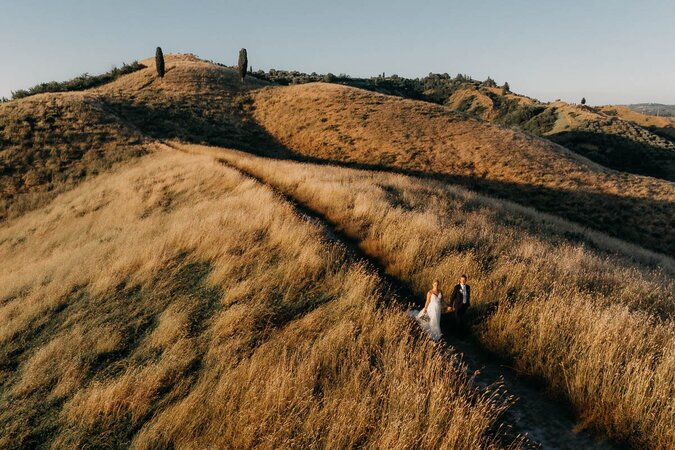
457	299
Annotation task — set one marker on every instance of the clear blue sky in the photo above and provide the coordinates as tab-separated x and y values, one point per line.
615	51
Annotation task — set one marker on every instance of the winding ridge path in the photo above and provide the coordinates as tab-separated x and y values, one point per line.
546	422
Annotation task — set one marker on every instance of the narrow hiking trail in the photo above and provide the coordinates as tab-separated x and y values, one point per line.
546	422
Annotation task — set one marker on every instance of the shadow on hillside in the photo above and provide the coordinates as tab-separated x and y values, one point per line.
617	216
226	122
620	153
666	133
223	124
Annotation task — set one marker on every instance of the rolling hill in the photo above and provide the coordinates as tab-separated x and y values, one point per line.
200	102
196	261
176	303
342	124
52	141
627	142
613	136
661	125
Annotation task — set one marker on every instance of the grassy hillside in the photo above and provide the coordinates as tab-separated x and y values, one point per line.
176	304
587	313
615	137
200	102
619	141
196	101
157	298
342	124
50	142
660	125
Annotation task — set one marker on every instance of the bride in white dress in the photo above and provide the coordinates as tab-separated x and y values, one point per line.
430	317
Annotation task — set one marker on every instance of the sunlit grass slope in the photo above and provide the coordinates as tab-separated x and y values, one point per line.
51	142
591	315
178	304
349	125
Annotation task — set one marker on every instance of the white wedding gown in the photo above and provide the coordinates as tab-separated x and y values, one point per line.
433	324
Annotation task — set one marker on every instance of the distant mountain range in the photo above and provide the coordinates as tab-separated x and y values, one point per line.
654	109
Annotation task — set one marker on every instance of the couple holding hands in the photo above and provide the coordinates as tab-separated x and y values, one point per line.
436	304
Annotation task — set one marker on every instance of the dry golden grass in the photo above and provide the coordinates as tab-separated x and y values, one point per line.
56	140
344	124
51	142
589	314
177	304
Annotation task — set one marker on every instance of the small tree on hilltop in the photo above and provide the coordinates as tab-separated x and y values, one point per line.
506	88
489	82
243	63
159	62
583	101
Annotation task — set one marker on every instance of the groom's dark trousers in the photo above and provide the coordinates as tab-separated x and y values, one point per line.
454	321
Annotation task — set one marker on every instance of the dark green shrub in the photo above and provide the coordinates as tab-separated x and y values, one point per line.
542	122
489	82
84	81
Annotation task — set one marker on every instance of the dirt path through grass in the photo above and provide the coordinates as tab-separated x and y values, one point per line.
547	422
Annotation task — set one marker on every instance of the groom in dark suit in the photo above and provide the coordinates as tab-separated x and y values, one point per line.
458	302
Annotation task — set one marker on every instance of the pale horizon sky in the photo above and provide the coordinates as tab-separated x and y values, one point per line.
609	52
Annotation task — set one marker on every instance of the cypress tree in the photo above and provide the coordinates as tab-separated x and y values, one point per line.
583	101
243	63
506	88
159	62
